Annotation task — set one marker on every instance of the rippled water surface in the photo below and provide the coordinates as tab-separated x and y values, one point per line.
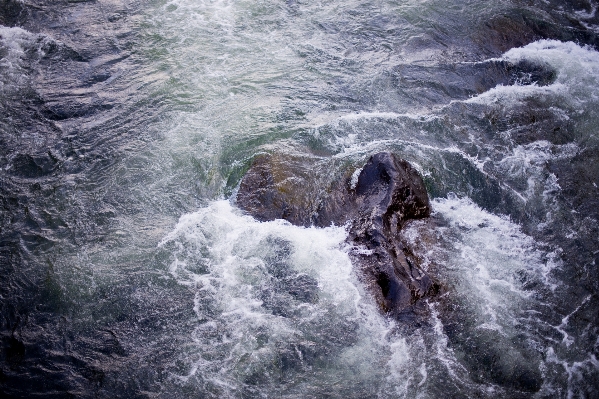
128	271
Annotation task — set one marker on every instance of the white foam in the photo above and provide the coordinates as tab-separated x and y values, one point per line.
323	119
223	256
575	370
443	350
577	71
354	178
17	42
487	257
529	161
513	95
567	339
587	15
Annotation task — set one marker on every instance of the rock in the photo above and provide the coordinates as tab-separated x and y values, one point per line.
387	187
277	187
388	193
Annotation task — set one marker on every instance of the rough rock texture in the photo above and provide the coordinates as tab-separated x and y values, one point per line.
388	193
280	187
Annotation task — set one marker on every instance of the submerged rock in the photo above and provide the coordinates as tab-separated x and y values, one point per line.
279	187
387	193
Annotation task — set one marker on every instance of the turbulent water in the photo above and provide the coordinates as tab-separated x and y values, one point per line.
127	270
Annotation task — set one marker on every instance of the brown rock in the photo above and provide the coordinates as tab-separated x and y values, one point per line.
279	187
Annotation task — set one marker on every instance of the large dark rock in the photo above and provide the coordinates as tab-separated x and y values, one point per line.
388	193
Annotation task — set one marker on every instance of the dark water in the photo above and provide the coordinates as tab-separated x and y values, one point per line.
125	127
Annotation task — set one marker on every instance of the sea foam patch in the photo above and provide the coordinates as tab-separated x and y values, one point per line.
495	277
16	45
576	69
276	301
493	259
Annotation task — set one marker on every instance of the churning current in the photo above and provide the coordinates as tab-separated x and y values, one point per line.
128	271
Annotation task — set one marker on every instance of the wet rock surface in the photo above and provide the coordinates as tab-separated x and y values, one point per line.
522	26
278	187
387	193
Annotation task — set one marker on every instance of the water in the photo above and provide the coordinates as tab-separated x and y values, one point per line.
129	272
